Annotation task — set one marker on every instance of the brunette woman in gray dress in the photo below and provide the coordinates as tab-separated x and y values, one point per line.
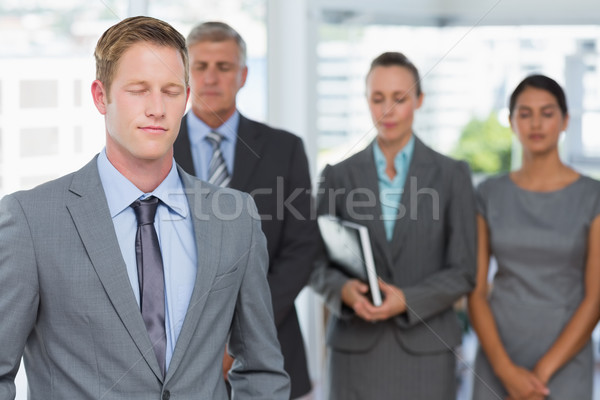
541	223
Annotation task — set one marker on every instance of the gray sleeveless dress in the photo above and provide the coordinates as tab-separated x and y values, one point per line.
539	240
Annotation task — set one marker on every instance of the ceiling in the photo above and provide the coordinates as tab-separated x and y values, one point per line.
459	12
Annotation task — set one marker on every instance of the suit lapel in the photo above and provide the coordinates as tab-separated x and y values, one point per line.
183	149
420	173
208	248
364	174
247	153
91	216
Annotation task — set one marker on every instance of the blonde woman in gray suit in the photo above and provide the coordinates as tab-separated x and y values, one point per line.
419	208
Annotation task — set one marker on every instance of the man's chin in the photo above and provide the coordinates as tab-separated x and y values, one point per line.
155	155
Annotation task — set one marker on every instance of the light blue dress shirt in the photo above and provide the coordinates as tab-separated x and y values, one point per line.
202	149
174	227
390	190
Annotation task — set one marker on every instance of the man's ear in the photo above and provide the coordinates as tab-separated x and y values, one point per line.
100	96
244	76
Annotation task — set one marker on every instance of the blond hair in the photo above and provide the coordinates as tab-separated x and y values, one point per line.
120	37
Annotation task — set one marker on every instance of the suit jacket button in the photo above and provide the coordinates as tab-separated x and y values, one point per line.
166	395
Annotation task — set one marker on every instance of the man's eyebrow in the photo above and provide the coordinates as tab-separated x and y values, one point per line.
142	82
174	84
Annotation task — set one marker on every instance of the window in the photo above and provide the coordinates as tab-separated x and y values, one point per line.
466	73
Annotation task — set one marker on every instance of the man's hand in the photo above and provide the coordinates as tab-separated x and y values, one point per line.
227	363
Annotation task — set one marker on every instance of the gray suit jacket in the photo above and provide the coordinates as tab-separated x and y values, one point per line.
431	256
68	307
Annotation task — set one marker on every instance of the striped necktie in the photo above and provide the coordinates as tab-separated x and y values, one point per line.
217	169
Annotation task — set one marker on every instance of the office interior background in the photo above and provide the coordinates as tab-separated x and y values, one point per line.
307	63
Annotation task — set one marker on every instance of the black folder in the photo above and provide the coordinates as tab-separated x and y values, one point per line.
349	248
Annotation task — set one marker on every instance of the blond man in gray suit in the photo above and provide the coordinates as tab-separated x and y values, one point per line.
124	279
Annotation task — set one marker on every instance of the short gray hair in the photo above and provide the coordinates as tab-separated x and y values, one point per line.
214	31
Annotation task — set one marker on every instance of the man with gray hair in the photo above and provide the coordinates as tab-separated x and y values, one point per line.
218	144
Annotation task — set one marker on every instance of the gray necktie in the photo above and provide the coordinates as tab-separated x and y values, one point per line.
217	169
151	277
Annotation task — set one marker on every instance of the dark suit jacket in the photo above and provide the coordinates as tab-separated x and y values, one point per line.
271	165
431	257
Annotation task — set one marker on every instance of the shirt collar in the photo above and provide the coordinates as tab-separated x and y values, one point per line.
402	159
120	192
198	129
